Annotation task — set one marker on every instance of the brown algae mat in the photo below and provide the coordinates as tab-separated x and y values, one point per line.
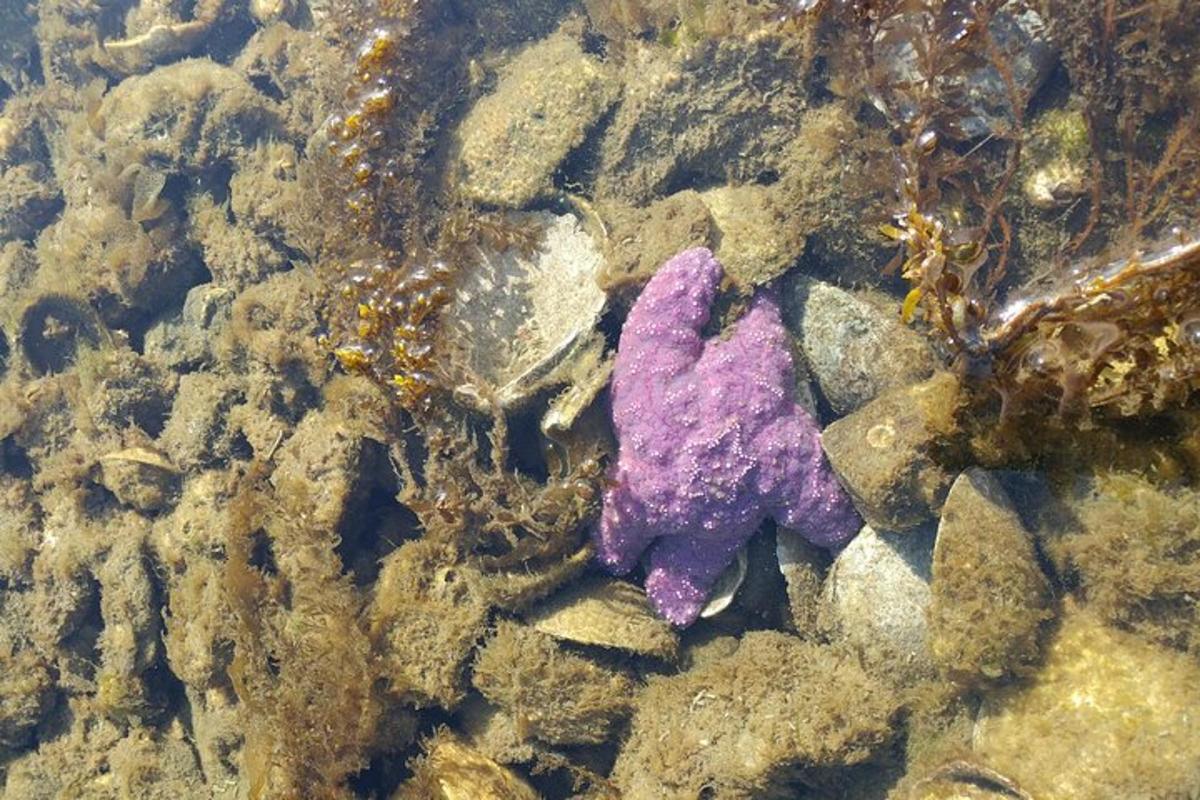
599	399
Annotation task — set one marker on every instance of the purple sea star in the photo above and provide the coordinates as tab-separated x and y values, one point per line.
711	441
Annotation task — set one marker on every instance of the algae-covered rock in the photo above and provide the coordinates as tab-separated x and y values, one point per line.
990	597
189	114
887	452
156	36
545	101
139	477
198	432
122	268
641	239
1057	170
556	696
743	724
759	238
607	613
1108	715
182	340
427	614
28	199
1134	549
19	528
25	691
329	455
725	109
855	349
93	758
130	641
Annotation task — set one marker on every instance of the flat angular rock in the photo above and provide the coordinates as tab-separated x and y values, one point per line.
886	452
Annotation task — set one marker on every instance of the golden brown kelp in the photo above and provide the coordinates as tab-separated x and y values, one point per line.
381	164
954	159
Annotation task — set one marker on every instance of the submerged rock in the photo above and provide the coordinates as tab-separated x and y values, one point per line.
159	37
554	695
759	238
1018	35
183	340
886	452
643	238
723	110
990	597
1108	715
427	614
1134	548
877	597
740	725
545	101
854	349
190	114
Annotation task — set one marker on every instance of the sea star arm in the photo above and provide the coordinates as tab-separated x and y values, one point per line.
661	338
622	534
683	570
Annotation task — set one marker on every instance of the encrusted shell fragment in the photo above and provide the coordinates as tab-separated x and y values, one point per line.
139	477
607	613
517	319
161	42
453	771
727	586
965	780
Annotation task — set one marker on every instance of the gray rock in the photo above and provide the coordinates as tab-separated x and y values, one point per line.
183	340
877	597
513	140
886	452
855	350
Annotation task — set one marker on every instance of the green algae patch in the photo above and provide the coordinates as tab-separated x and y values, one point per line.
1134	550
745	724
1109	715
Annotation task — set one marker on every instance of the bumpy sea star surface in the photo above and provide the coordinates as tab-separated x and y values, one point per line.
711	441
